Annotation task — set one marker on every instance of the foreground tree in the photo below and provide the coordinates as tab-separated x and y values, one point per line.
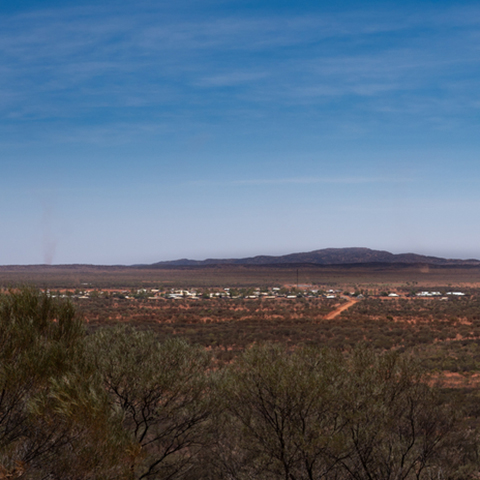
285	406
163	392
313	414
55	421
396	427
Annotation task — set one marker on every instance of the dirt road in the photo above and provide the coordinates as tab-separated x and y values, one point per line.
341	308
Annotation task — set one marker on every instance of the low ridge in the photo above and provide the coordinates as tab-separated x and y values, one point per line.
326	256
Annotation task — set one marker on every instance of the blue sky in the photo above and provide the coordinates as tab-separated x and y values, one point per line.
134	132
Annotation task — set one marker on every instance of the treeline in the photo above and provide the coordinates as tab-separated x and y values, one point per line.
120	404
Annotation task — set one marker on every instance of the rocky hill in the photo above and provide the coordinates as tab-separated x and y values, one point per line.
327	256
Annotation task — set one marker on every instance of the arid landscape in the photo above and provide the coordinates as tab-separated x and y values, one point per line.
239	240
366	356
432	310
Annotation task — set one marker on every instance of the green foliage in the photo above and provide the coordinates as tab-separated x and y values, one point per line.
396	427
121	404
162	390
317	414
284	406
53	413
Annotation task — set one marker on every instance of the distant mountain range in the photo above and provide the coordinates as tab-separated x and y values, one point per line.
326	256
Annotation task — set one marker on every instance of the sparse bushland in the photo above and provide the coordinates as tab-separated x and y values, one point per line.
55	417
230	326
121	403
164	392
320	414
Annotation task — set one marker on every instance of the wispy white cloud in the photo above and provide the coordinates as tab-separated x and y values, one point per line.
354	180
231	79
76	63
